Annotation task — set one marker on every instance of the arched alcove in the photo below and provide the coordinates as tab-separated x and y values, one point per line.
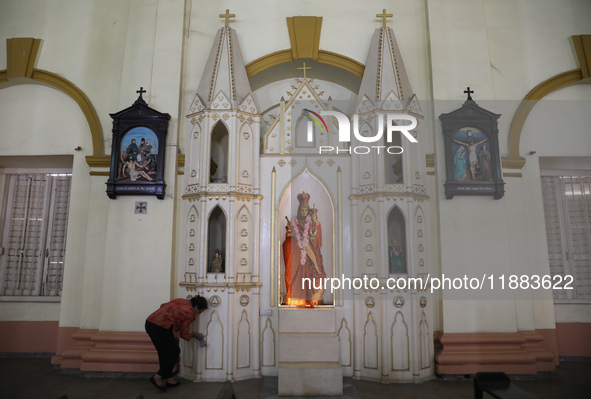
320	235
39	120
216	241
397	256
218	167
21	57
301	133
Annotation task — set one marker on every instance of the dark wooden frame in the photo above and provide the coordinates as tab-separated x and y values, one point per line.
472	115
138	115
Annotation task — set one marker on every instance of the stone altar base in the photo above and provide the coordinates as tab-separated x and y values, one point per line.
309	363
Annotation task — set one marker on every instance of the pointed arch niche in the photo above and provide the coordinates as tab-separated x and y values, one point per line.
216	241
288	207
218	165
301	133
396	242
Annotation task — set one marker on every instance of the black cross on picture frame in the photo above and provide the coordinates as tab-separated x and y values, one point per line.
137	151
472	159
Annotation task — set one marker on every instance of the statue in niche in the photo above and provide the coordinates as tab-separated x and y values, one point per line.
302	256
213	167
396	256
397	170
217	264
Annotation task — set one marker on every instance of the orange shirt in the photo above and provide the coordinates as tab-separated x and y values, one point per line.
178	313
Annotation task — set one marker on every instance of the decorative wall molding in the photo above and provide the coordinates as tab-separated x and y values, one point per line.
582	44
22	56
304	35
98	161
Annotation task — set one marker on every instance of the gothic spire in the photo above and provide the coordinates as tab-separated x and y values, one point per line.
384	69
224	70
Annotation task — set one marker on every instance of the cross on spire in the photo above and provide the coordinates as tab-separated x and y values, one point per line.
383	15
304	68
468	91
141	90
227	16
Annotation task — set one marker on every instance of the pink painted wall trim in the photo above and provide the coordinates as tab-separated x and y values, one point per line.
105	351
574	339
523	352
28	336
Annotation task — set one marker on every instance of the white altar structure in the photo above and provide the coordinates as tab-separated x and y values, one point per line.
363	203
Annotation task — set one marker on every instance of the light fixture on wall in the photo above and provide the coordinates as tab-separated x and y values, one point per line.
532	152
78	148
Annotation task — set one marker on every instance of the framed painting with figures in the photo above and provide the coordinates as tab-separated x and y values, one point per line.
472	159
137	151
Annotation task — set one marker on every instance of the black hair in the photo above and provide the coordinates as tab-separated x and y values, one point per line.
199	301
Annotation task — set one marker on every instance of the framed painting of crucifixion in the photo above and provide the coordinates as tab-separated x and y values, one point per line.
472	159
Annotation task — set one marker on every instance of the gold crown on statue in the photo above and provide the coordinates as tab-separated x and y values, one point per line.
303	198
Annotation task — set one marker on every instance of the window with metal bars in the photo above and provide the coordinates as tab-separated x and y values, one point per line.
567	209
34	221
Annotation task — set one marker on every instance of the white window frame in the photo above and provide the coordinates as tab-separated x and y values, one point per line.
45	243
568	267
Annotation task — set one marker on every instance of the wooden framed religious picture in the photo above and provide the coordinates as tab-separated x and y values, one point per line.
137	151
472	159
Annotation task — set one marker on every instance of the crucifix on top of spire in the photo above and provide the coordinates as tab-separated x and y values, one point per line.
383	15
305	68
227	16
468	91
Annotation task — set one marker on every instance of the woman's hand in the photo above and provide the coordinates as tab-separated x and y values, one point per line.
198	336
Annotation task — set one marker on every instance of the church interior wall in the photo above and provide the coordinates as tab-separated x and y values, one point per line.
103	51
545	133
115	278
29	109
501	59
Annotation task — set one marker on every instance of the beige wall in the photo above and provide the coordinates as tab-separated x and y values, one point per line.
115	274
501	50
558	126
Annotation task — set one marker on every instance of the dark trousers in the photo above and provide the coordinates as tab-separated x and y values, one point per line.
167	347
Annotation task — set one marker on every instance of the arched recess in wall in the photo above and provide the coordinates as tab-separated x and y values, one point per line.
582	45
216	241
219	156
396	241
20	69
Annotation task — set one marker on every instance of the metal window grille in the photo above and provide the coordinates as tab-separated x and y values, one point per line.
34	234
567	210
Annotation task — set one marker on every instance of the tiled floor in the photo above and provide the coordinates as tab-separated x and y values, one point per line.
35	378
